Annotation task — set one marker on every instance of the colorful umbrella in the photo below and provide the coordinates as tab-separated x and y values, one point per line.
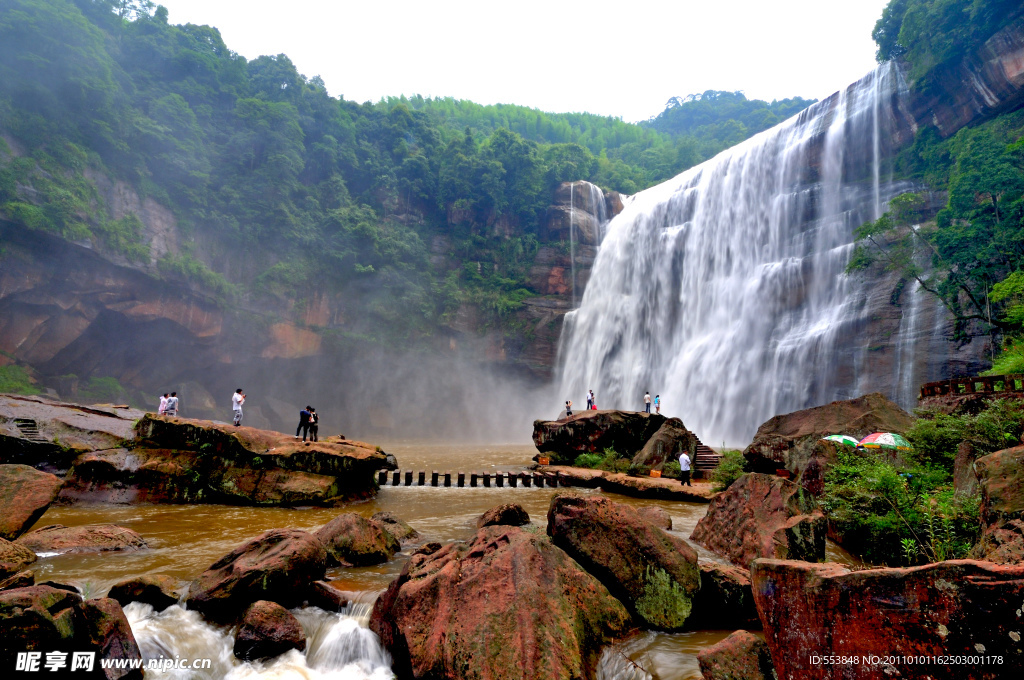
885	440
842	439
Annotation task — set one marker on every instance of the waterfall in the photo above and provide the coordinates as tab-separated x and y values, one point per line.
724	289
572	240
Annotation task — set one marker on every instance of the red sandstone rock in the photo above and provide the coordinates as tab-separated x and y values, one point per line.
724	600
510	514
594	431
509	604
1001	479
278	565
741	656
325	596
763	516
102	626
158	590
949	609
787	440
657	487
268	630
652	571
14	558
25	494
666	445
89	538
23	579
395	526
353	540
659	517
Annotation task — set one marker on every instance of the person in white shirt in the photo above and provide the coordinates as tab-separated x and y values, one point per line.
163	404
172	405
590	400
647	402
237	399
684	467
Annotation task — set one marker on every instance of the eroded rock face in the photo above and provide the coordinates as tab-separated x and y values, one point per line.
959	607
725	600
268	630
788	440
741	656
509	604
89	538
593	432
101	625
510	514
763	516
1001	480
25	494
14	557
653	572
666	445
278	566
353	540
157	590
395	526
659	517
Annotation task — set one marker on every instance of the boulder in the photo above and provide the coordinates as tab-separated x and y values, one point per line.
353	540
14	558
395	526
594	431
950	609
25	494
510	514
158	591
763	516
268	630
788	440
277	565
23	579
507	604
325	596
660	488
667	444
741	656
659	517
89	538
810	472
102	626
965	479
1001	480
653	572
724	601
574	476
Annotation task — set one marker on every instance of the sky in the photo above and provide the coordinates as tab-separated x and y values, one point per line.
619	59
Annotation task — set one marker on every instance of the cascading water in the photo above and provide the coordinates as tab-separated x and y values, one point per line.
724	289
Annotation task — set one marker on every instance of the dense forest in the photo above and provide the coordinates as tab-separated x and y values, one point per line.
282	189
972	254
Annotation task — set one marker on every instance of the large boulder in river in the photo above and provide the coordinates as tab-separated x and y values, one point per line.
954	609
1001	479
511	514
725	600
278	566
25	494
88	538
763	516
788	440
650	570
395	526
157	590
14	558
627	432
352	540
268	630
741	656
507	604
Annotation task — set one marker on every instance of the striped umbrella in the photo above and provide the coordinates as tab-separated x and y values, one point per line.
841	439
885	440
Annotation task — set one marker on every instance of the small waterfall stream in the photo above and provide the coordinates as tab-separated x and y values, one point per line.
724	288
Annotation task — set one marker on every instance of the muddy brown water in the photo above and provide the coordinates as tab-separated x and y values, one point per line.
184	540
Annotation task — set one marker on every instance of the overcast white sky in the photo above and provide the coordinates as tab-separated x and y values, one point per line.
621	59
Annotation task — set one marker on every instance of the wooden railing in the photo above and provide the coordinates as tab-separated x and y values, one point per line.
990	384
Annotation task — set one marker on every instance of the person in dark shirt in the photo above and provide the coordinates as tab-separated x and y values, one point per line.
314	425
303	423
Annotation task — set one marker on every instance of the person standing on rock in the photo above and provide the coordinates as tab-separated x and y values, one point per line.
593	401
647	402
303	423
237	399
163	404
172	405
684	469
568	408
314	425
657	404
590	399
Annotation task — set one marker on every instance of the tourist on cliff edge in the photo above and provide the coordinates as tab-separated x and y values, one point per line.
314	425
568	408
647	402
657	404
303	423
590	399
171	409
684	469
163	404
237	399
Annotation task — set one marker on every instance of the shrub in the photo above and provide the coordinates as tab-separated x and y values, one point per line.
588	460
671	469
730	468
16	380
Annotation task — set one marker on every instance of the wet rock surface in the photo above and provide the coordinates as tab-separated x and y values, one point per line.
278	566
25	494
763	516
395	526
659	517
954	608
508	604
353	540
651	571
14	557
268	630
1000	477
157	590
741	656
510	514
89	538
725	600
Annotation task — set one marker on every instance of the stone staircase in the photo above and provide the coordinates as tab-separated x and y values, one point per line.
706	461
29	430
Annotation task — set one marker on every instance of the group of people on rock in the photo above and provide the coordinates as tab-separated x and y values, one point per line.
309	423
647	402
592	403
168	404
